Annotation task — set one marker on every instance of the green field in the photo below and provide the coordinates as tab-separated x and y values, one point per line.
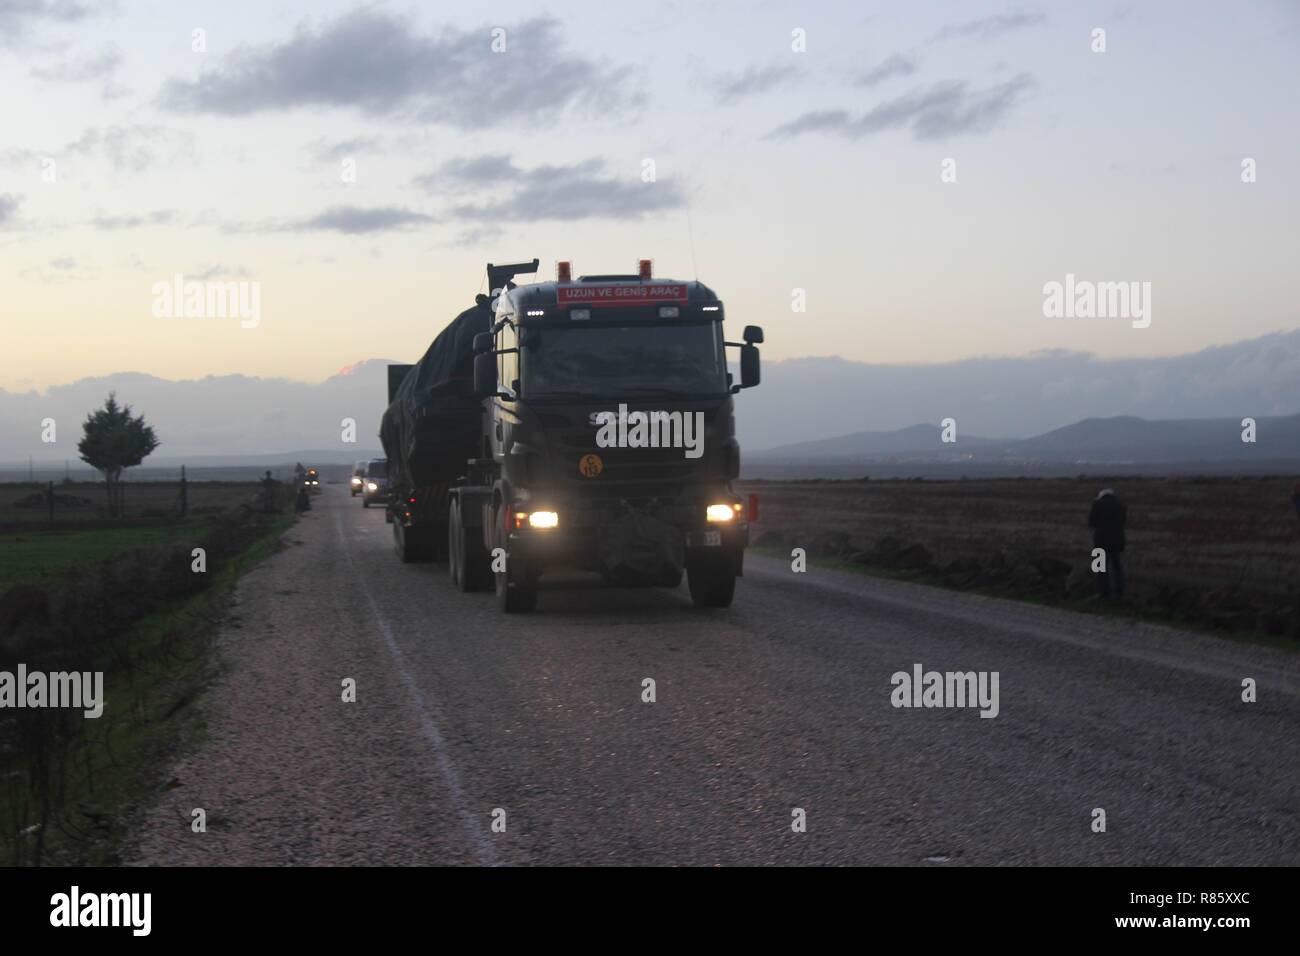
66	792
37	557
34	550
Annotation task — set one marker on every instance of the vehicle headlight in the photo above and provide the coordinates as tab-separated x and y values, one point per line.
718	513
543	519
356	480
372	487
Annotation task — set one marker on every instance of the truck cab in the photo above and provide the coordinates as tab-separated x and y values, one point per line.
608	440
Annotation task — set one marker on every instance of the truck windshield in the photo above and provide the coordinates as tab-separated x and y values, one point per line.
625	360
377	469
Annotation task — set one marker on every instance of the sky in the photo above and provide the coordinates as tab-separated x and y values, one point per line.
358	164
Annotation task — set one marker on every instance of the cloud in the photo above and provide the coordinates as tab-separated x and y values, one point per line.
944	110
477	236
353	220
17	15
136	147
565	193
458	174
989	27
755	80
9	208
217	271
378	64
159	217
64	264
97	67
323	150
896	65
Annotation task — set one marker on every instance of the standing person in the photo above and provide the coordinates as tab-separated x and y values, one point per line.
1106	519
269	485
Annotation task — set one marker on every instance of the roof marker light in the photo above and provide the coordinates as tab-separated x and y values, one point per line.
643	268
709	308
564	271
536	311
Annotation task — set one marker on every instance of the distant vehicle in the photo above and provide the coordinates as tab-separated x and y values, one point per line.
311	478
358	477
582	423
375	482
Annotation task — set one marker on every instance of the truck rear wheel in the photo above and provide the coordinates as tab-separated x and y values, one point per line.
712	580
516	589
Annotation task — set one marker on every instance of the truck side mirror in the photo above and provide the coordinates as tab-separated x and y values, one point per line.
485	375
754	334
750	374
482	343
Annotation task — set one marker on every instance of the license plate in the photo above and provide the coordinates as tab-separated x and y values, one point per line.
712	539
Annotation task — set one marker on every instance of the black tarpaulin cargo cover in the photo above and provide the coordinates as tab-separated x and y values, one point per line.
431	428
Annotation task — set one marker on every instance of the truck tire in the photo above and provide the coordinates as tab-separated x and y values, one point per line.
516	589
454	534
712	580
467	563
408	543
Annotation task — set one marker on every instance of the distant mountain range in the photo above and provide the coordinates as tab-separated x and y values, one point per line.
1123	440
1022	408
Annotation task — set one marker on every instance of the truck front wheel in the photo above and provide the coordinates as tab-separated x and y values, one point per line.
711	579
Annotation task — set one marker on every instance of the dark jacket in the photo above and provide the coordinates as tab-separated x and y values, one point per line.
1106	519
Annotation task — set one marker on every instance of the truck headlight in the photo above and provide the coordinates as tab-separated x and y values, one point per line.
356	480
543	519
719	513
372	487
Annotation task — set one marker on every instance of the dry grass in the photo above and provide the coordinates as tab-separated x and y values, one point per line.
1234	541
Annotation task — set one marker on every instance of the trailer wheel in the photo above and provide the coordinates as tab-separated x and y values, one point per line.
408	543
712	580
516	589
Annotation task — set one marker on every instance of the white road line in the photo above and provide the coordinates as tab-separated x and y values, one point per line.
484	852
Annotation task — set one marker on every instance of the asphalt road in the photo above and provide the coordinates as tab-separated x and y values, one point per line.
782	701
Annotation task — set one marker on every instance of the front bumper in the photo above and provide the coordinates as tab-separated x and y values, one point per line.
577	541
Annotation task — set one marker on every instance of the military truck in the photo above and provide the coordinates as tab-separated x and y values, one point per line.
591	425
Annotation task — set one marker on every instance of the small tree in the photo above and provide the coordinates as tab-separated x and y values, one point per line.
114	441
